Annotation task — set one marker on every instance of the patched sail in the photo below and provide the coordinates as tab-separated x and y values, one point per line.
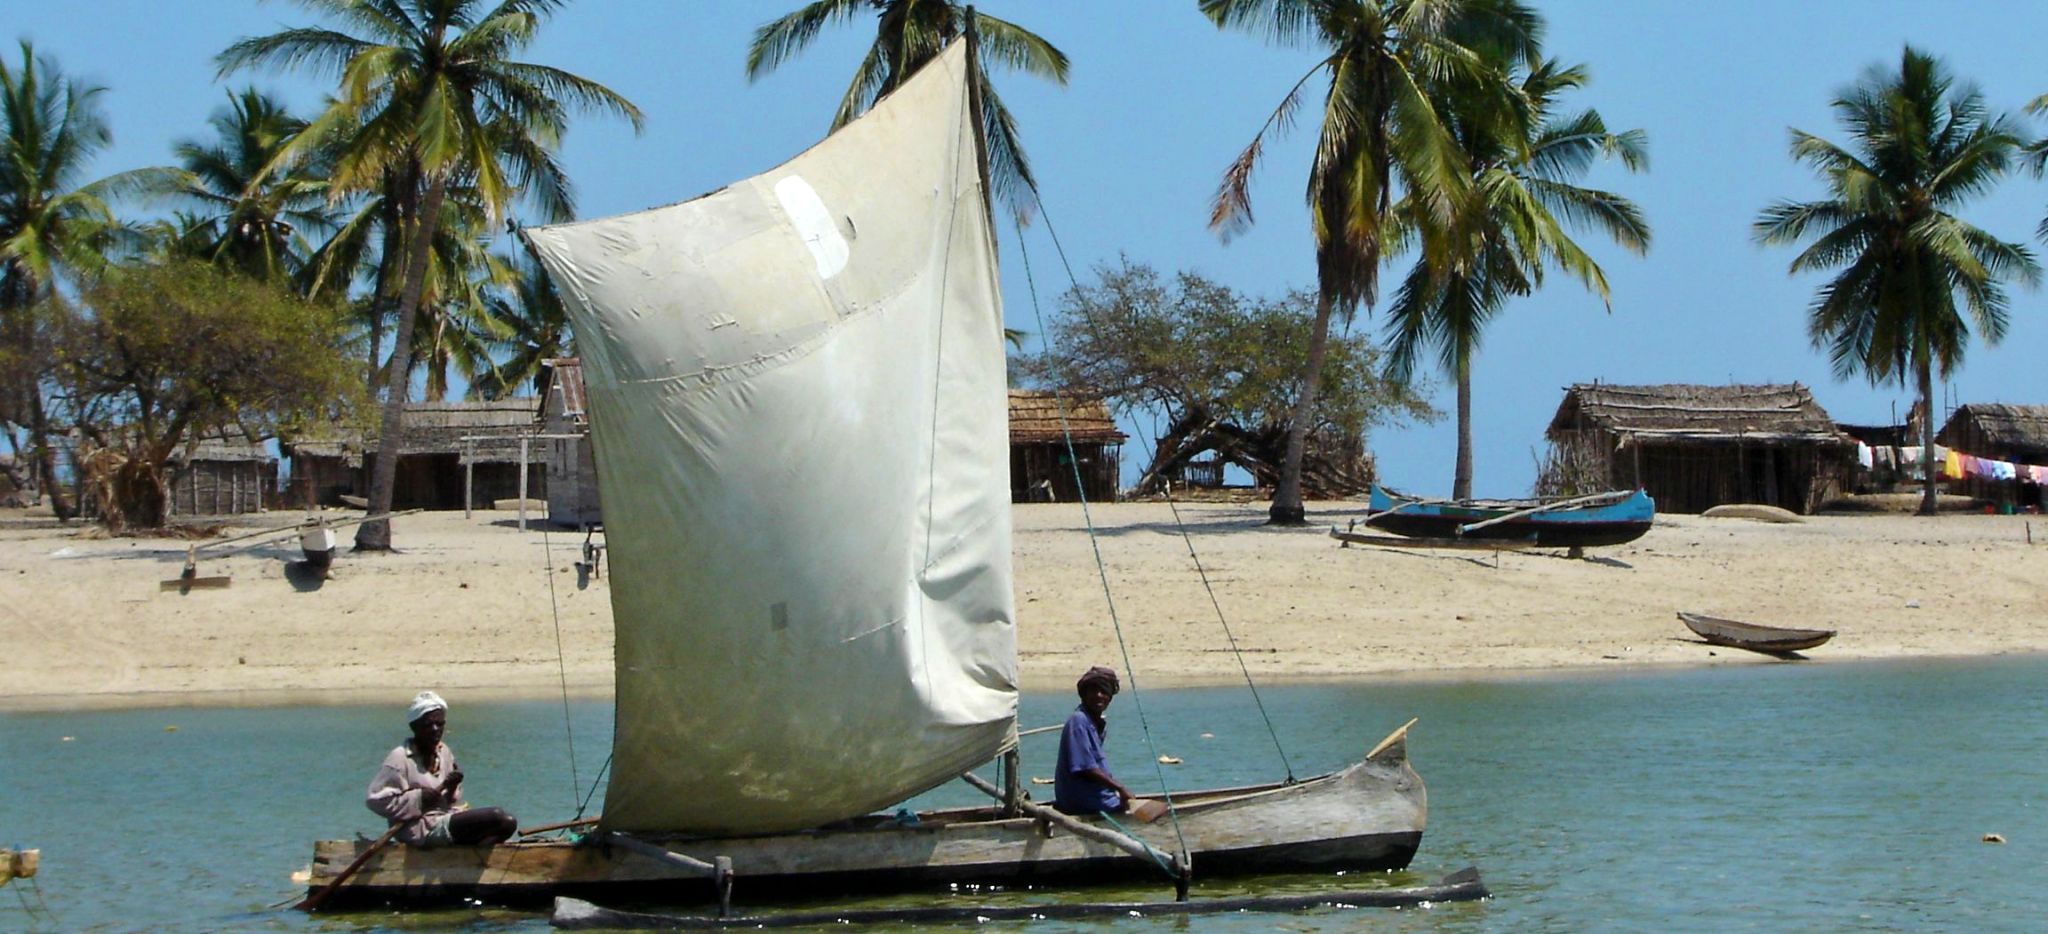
798	402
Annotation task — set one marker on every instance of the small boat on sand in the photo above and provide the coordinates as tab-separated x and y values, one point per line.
1771	640
1580	522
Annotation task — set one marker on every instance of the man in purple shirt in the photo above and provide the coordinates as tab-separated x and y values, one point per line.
1081	782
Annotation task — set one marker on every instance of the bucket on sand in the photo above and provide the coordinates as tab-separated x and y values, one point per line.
318	544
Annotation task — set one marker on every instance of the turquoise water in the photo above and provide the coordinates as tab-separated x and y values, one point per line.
1772	797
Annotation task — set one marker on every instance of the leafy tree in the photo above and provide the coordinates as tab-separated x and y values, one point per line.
51	222
1523	162
909	33
252	205
430	97
1226	372
1380	126
154	356
1909	268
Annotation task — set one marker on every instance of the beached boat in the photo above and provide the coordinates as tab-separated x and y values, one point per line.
1580	522
1773	640
798	392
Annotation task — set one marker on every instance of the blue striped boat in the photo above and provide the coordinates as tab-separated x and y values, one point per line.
1621	517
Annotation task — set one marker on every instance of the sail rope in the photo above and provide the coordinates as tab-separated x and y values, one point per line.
1095	544
1235	649
547	557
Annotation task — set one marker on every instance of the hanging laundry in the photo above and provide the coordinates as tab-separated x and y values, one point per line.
1863	456
2001	470
1952	466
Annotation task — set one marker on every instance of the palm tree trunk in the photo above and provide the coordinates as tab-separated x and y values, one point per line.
1461	477
1929	488
376	536
1287	507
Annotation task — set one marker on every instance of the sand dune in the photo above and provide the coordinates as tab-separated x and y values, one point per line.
466	605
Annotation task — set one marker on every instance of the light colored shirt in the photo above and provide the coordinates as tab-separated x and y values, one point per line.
397	793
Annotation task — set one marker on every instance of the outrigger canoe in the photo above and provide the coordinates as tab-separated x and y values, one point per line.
1583	522
1368	816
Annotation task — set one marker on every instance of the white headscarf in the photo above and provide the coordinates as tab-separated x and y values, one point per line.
425	703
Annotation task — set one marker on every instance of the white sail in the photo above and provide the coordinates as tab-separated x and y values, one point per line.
797	396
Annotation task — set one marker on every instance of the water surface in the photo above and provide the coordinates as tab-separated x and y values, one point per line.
1770	797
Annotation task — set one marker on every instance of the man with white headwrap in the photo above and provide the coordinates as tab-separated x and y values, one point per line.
419	787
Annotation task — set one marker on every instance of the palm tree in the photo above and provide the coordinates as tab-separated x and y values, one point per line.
909	33
1922	147
537	325
51	223
1380	125
1522	183
253	205
430	98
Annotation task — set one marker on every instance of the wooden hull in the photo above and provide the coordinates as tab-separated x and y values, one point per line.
1368	816
1740	635
1589	527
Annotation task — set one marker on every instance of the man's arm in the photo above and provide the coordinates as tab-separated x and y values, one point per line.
1101	777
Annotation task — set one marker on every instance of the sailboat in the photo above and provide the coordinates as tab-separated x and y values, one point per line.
798	396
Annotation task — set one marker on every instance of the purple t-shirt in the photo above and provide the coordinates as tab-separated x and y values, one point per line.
1080	750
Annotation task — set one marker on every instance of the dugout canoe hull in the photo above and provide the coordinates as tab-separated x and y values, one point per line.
1771	640
1369	816
1593	526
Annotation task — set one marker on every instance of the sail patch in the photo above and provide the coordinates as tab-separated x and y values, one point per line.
813	224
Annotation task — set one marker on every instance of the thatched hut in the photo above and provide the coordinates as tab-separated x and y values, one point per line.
323	469
1695	447
2016	434
571	460
442	440
1040	467
220	475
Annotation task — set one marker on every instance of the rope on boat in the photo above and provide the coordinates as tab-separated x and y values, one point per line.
1235	650
547	557
1150	850
1088	519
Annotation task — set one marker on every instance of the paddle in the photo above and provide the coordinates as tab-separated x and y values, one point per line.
313	901
1147	810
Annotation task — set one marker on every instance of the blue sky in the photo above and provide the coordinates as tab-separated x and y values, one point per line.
1129	152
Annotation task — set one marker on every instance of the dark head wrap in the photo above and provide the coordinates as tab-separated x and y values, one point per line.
1098	675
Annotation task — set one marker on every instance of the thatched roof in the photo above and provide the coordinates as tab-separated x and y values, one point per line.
1035	419
565	373
1998	428
438	428
223	447
1772	412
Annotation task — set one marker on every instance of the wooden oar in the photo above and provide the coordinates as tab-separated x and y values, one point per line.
313	901
1546	507
558	825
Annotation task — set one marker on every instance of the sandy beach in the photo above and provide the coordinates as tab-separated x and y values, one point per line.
466	605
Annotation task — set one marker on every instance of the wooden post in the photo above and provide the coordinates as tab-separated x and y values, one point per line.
1013	796
523	444
468	479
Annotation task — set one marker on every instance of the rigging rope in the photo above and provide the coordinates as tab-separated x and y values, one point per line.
1227	633
547	557
1087	518
1235	649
